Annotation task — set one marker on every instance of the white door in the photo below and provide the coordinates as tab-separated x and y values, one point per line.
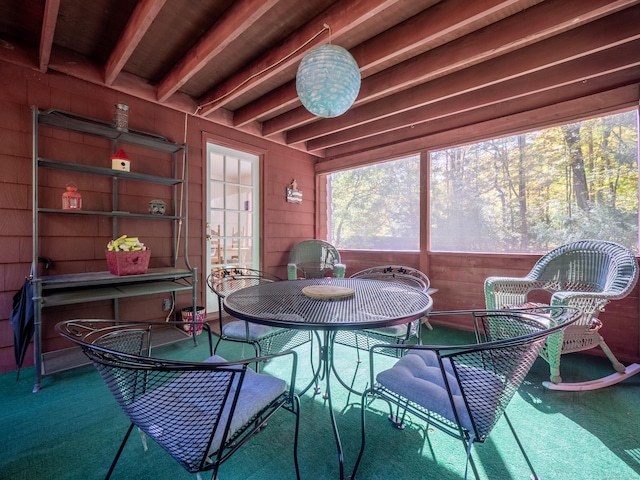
232	222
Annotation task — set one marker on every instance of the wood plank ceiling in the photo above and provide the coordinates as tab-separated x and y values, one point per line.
447	70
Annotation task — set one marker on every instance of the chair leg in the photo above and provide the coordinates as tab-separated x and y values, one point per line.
534	476
215	349
363	408
395	419
425	321
117	457
619	367
296	406
554	352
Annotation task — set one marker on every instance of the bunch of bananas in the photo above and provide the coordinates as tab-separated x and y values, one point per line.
125	244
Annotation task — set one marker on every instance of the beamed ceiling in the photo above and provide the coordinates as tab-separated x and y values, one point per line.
447	70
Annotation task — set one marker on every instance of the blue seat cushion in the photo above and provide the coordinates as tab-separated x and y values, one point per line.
238	329
418	377
180	420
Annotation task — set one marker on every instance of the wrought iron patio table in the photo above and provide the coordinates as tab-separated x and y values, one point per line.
367	304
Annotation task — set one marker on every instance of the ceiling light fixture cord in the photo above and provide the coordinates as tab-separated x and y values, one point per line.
324	27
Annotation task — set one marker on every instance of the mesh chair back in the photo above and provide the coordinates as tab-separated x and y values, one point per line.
463	390
179	406
489	375
198	412
314	258
222	281
396	273
398	334
264	339
184	407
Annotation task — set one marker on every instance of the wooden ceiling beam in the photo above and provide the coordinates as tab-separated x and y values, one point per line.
141	19
237	19
485	113
341	18
537	23
580	70
572	110
453	18
602	34
431	28
278	101
49	19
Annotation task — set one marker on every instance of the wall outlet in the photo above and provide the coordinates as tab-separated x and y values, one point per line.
166	304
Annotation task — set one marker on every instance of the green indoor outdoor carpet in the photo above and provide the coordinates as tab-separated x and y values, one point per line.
72	428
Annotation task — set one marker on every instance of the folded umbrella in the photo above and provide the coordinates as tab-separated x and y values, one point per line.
22	320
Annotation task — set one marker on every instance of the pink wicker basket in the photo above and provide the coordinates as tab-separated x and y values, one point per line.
128	263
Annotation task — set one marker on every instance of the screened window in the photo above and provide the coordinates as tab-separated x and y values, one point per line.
376	207
535	191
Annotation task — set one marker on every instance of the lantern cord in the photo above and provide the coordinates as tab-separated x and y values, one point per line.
257	74
200	107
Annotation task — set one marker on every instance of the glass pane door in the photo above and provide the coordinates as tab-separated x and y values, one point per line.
232	222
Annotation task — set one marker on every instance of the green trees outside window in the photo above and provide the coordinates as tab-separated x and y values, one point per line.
524	193
535	191
376	207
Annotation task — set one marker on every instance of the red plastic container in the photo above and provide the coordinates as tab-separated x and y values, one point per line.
128	263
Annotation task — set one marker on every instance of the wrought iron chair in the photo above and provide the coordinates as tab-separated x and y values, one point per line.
397	274
463	390
264	339
314	259
200	413
586	274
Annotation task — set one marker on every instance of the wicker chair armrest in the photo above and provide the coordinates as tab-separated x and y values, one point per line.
567	298
589	302
500	291
524	282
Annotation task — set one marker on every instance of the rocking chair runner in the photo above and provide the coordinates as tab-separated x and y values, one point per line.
463	390
586	274
200	413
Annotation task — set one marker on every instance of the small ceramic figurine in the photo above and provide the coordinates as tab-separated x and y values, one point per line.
157	207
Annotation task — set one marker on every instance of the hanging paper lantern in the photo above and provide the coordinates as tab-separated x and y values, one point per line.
328	81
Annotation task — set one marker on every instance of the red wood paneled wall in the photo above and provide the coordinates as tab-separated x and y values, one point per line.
458	277
79	245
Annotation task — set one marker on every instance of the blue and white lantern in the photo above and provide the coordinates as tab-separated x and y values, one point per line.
328	81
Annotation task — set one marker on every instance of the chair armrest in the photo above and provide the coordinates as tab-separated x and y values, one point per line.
591	303
373	356
264	358
294	367
500	291
339	270
292	271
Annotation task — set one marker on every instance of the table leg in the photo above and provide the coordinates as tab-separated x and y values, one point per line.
329	337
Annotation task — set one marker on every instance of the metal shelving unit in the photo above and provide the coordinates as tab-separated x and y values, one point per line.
78	288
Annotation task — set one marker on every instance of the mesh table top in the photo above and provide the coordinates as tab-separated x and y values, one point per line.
374	304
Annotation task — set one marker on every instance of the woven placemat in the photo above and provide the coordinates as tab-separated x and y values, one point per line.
327	292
